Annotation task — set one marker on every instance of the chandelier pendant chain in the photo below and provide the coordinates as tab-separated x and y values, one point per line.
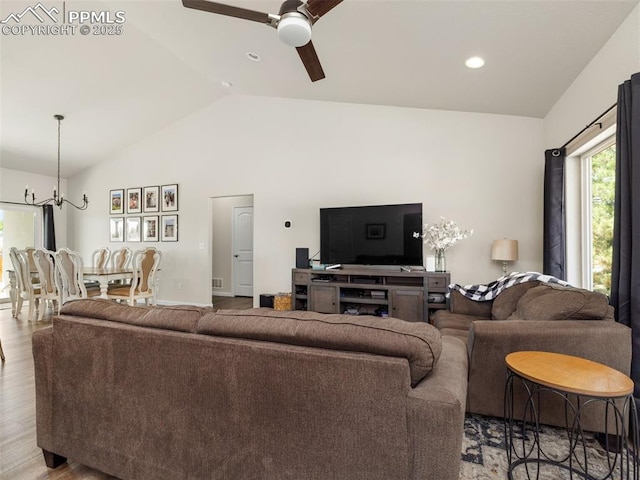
57	192
58	200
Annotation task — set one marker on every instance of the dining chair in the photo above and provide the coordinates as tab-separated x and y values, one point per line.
47	275
100	258
143	284
120	258
27	289
69	275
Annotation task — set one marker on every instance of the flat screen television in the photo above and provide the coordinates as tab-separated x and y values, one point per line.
372	235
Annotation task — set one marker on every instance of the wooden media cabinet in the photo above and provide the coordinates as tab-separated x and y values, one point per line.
370	291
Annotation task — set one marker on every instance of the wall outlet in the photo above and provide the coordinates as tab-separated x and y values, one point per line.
179	285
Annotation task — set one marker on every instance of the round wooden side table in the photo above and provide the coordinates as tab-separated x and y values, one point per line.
579	382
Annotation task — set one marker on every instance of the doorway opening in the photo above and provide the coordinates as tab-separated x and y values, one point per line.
232	251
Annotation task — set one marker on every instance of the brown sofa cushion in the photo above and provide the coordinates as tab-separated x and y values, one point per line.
418	342
182	318
507	300
556	302
465	306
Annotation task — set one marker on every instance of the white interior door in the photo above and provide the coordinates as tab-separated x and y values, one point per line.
243	251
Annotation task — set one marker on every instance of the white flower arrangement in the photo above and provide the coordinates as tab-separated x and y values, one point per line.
443	234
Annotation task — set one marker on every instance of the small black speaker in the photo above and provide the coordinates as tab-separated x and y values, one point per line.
302	258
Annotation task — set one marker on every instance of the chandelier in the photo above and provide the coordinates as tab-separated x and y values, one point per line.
58	200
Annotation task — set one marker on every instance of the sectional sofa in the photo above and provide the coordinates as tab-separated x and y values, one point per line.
183	392
534	316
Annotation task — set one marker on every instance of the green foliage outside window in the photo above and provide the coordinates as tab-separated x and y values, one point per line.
603	175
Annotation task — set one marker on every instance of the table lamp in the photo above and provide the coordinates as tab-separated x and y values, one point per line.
504	250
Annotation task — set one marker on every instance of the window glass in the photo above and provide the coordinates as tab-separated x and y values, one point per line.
599	168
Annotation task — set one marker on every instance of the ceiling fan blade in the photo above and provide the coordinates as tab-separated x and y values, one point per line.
311	61
228	10
318	8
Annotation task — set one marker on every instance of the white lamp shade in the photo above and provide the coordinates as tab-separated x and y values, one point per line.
294	29
504	250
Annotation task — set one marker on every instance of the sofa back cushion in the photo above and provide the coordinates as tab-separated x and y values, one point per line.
182	318
418	342
507	300
458	303
556	302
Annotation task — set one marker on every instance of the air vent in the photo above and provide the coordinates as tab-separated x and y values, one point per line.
217	283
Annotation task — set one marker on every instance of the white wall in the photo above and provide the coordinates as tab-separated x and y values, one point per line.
593	92
596	88
483	171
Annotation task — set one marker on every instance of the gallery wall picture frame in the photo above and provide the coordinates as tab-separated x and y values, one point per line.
116	229
169	228
169	196
150	228
133	232
151	199
116	202
134	200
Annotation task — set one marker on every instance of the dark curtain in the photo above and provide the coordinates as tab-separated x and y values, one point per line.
48	227
625	271
554	218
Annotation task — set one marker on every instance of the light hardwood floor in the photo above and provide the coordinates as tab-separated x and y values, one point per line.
20	457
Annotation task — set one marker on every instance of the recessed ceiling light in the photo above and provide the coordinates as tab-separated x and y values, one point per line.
252	56
474	62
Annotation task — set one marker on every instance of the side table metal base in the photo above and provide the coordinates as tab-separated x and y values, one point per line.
622	456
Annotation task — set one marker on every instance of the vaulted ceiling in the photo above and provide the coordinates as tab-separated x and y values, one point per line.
167	61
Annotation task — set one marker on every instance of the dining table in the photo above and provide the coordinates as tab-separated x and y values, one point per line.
105	275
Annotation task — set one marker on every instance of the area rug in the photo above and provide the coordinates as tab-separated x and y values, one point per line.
484	456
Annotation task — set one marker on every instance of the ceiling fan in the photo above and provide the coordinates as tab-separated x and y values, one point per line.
293	22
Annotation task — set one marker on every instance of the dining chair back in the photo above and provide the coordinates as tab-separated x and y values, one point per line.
69	277
45	265
27	289
100	258
143	283
29	251
120	258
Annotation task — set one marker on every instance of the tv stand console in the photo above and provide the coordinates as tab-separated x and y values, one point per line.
382	292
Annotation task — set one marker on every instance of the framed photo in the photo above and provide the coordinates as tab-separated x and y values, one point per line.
169	232
376	231
133	229
151	199
134	200
170	198
116	229
116	202
150	229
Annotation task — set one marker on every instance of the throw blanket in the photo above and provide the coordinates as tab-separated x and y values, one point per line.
483	293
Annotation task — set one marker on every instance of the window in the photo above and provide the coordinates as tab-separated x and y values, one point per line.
598	194
19	227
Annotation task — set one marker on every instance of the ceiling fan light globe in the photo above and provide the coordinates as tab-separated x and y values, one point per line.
294	29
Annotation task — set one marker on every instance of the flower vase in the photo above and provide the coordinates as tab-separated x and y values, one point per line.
441	261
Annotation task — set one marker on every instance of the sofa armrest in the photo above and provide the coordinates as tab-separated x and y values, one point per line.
602	341
42	346
436	409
